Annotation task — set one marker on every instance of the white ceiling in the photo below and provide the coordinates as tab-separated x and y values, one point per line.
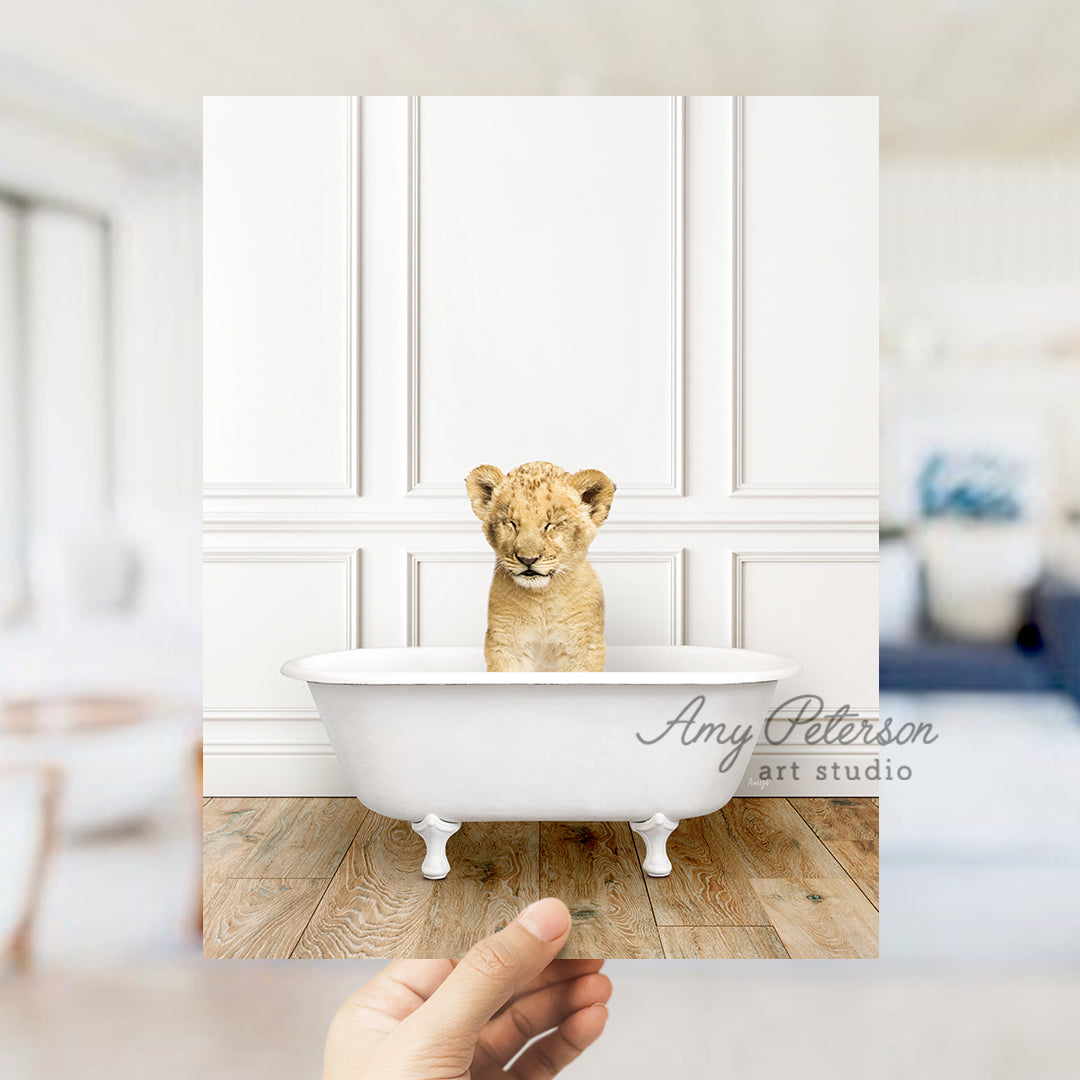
954	76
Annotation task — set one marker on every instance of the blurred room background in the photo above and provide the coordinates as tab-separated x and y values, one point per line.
980	547
99	482
100	501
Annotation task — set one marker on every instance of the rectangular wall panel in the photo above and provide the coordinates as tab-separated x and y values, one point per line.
261	608
820	607
448	593
643	596
279	312
807	352
546	288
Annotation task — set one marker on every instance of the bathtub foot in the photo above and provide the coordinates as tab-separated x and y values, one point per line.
655	833
436	832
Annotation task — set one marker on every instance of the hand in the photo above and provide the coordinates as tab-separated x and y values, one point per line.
465	1020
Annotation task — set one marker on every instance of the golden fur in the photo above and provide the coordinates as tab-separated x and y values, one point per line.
546	606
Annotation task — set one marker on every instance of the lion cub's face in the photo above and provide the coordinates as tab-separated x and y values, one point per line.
538	518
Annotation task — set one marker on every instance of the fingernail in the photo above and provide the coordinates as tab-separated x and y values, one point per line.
546	919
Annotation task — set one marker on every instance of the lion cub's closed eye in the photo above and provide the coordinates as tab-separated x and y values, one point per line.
546	606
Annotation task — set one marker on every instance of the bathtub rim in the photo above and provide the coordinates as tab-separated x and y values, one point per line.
760	667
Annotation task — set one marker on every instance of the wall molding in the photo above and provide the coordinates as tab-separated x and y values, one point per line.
673	558
380	521
805	491
263	712
267	746
349	488
741	488
675	487
350	559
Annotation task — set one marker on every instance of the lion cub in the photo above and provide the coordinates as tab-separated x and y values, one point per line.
546	606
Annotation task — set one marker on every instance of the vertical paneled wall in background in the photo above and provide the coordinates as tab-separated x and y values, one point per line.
681	292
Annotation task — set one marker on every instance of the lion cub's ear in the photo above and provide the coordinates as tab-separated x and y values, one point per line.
480	485
596	491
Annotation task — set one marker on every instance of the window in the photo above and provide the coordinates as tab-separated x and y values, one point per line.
56	470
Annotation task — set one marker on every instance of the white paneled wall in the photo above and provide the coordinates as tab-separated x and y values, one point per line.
681	292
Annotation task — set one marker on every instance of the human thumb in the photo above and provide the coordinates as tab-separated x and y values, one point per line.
488	976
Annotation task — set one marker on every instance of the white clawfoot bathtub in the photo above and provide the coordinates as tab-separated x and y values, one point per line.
427	735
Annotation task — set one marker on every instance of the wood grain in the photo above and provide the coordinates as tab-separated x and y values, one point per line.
722	943
774	841
860	859
307	838
249	919
379	905
822	918
839	819
708	884
279	881
229	837
593	868
246	802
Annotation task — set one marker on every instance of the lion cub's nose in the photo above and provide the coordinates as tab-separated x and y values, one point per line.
527	562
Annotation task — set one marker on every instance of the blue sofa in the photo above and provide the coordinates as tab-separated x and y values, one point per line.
1045	656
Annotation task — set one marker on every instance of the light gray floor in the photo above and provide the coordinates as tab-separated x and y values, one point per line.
980	849
815	1020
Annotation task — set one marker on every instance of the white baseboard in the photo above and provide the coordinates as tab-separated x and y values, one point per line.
282	769
272	770
840	772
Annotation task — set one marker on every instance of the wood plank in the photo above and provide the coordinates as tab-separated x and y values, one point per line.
860	859
208	890
839	818
722	943
248	919
302	838
229	836
774	842
822	918
242	802
708	884
593	867
380	905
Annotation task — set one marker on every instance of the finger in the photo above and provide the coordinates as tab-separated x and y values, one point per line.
396	992
557	971
489	974
532	1015
548	1056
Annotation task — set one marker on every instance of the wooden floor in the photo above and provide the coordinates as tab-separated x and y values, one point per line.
762	878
